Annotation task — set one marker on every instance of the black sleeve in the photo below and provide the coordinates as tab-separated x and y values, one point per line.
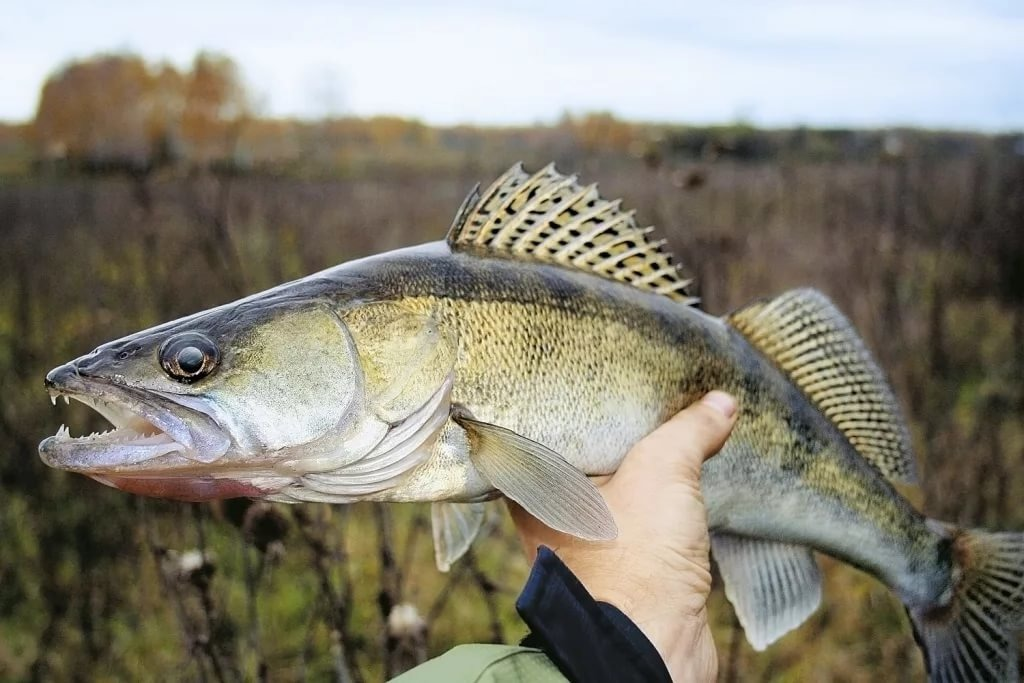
587	640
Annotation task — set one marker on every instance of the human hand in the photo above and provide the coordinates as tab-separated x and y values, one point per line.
657	571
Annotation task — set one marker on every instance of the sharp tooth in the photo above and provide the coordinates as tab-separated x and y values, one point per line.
67	401
53	399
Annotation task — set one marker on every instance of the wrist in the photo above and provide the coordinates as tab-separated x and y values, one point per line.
685	645
674	621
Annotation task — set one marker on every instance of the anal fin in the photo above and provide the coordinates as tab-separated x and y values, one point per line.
772	586
455	526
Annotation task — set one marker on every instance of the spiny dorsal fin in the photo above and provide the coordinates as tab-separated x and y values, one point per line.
548	217
817	347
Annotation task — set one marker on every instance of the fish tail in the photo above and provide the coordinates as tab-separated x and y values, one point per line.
974	635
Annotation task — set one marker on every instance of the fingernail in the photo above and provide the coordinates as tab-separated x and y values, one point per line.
722	402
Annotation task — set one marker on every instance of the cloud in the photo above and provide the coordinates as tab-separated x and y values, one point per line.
935	63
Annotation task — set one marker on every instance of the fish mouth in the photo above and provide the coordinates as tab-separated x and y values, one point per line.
153	433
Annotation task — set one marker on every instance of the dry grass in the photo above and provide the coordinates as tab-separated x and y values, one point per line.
925	255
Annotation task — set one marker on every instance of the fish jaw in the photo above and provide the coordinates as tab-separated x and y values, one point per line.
158	447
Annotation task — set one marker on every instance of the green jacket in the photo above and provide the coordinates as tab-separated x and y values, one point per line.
485	664
572	636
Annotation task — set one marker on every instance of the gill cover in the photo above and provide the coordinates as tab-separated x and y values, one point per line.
290	380
404	363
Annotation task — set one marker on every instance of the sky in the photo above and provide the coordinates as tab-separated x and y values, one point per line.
934	63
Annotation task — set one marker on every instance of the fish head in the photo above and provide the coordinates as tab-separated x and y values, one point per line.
216	405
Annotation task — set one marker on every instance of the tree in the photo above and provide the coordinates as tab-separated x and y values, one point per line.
97	110
216	105
117	110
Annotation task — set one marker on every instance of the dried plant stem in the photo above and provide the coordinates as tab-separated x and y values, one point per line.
489	590
732	666
171	587
207	640
313	534
253	576
390	593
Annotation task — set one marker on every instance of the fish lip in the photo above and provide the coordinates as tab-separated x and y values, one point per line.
200	438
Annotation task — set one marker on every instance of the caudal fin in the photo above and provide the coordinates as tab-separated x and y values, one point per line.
974	637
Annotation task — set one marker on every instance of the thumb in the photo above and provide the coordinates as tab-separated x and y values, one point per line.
679	447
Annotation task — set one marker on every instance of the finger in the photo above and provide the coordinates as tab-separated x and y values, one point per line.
690	437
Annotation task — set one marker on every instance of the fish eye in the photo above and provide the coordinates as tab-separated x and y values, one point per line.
189	356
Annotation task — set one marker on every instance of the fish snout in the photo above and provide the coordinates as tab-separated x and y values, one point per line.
72	374
62	377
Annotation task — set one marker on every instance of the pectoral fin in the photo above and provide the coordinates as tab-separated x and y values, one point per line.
772	586
540	480
455	527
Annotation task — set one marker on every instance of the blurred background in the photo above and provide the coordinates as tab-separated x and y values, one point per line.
154	162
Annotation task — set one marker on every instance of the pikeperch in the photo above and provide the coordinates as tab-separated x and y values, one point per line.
532	348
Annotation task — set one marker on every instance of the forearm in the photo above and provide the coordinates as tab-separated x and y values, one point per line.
573	636
588	640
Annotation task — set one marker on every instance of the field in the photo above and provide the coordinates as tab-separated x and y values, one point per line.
920	243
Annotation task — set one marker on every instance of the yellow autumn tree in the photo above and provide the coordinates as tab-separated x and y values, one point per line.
98	109
216	105
600	131
117	109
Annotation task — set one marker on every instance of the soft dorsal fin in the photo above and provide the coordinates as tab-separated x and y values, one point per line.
817	347
548	217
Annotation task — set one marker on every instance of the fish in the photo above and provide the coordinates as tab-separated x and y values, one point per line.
522	355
